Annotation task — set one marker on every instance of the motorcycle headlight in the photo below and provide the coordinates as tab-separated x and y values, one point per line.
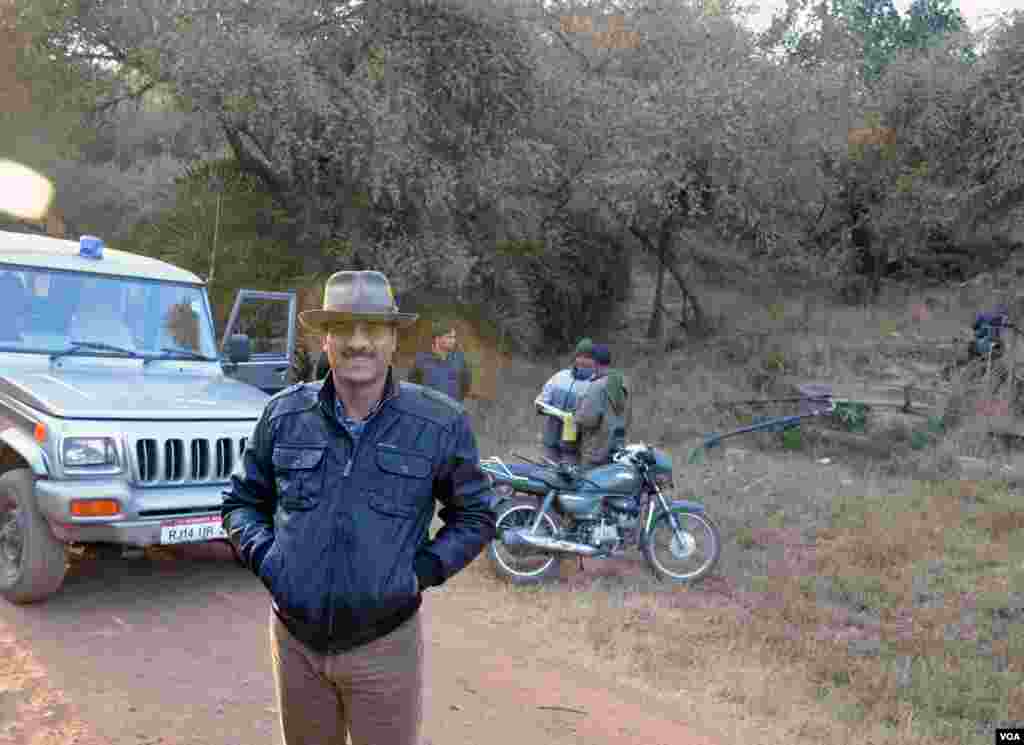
81	452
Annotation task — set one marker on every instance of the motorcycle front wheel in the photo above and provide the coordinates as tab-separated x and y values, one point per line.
524	565
687	557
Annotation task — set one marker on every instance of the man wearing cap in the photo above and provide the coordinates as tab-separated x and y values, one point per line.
331	508
443	368
604	412
563	391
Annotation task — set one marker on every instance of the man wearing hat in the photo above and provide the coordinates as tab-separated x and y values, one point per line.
331	508
563	391
604	412
443	368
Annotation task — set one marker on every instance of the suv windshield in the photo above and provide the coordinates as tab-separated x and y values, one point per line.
46	311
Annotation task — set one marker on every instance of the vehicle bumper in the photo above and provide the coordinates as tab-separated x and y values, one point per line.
143	511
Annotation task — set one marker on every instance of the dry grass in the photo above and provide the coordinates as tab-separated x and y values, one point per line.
839	640
892	614
626	629
918	639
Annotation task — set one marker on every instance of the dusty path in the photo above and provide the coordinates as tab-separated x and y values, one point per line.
138	652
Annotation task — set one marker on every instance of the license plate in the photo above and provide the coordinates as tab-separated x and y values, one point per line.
191	530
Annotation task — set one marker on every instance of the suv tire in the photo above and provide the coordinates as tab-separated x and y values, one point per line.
43	563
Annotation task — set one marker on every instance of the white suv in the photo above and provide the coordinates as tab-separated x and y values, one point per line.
120	421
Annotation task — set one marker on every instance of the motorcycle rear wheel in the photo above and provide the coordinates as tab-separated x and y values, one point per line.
661	548
513	563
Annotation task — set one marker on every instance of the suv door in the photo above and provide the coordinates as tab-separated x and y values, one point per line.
267	319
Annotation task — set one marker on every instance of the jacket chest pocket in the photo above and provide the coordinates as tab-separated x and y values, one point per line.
299	475
409	478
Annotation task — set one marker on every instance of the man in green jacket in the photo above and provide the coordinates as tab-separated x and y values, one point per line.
604	413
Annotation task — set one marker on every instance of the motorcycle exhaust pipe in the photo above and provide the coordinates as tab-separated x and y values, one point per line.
519	538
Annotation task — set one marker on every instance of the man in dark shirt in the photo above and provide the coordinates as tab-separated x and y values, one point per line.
443	368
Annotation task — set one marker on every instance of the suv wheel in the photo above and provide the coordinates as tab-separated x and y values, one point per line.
32	561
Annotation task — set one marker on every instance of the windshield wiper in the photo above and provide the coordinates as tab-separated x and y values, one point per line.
77	346
187	353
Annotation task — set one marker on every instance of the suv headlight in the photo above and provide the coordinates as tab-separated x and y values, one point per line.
89	451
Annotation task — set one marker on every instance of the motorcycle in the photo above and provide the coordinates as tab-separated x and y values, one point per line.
548	512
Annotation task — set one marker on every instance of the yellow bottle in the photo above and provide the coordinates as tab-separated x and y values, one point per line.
568	429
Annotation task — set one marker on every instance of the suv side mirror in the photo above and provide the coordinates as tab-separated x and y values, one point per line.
238	348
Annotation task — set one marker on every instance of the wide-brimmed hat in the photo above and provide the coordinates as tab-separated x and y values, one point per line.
356	296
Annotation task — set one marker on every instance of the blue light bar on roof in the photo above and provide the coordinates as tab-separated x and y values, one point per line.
90	247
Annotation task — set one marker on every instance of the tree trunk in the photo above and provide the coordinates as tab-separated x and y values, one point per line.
655	326
667	261
699	319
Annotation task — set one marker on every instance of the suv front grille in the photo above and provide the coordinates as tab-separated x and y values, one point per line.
225	457
145	455
200	459
174	460
180	461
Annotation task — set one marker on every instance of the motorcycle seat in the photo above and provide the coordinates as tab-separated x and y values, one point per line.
544	474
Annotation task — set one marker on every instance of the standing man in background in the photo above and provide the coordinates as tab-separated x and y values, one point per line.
443	368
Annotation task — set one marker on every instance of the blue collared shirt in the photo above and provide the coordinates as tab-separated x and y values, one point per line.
354	427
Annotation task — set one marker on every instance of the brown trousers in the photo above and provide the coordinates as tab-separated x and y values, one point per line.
373	693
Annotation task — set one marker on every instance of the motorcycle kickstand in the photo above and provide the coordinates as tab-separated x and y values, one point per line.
581	562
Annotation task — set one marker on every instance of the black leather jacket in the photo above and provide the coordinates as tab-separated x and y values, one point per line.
340	537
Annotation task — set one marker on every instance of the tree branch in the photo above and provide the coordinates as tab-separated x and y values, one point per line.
672	266
254	162
116	100
643	237
561	194
94	57
332	17
118	52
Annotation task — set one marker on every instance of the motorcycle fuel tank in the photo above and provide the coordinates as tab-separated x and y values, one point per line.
615	483
581	505
614	478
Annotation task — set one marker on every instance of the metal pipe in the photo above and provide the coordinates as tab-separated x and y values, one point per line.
517	537
543	510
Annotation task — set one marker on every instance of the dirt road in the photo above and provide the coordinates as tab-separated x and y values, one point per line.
174	652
